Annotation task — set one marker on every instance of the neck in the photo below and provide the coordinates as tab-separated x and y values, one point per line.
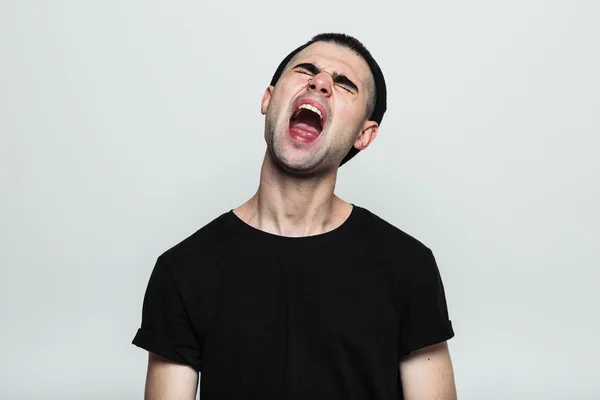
293	206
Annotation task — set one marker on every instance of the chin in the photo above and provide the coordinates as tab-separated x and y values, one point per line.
293	164
302	165
299	158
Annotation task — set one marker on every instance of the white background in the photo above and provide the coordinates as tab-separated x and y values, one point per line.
127	125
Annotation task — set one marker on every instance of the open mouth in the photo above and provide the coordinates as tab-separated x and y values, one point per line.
306	123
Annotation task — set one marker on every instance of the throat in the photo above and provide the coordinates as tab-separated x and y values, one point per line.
308	220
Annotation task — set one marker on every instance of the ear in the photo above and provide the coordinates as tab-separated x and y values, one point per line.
367	135
266	99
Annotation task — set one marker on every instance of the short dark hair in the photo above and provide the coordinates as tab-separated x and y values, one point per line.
377	103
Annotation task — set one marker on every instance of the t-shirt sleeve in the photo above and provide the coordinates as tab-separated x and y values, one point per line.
425	318
166	329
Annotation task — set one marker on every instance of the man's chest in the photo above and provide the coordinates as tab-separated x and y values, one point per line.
335	298
309	323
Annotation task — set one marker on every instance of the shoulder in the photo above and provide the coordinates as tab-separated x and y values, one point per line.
200	248
413	263
389	238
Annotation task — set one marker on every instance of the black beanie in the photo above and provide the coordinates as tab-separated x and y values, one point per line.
380	88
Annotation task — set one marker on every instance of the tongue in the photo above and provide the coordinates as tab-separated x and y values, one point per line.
304	130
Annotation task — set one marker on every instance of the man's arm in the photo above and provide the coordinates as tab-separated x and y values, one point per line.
427	374
167	380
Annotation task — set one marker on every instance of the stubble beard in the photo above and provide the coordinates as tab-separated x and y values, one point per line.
290	160
321	161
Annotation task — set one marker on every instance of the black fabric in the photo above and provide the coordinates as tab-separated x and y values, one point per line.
380	90
270	317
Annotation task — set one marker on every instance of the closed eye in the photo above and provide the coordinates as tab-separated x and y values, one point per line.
338	79
344	87
307	68
343	81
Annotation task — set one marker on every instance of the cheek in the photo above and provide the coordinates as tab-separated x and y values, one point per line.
293	85
281	98
348	122
351	112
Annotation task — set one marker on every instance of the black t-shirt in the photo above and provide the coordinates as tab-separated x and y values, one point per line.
266	317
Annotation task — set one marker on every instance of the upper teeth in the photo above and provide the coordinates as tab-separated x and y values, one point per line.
311	108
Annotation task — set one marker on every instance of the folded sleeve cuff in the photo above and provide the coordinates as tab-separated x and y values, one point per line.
150	342
427	337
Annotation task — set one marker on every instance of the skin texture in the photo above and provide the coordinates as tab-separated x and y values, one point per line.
166	380
295	196
427	374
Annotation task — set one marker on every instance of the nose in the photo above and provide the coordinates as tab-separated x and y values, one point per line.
321	84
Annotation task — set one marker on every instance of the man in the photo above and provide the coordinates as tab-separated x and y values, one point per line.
298	294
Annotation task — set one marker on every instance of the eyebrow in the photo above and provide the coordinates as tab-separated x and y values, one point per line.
337	78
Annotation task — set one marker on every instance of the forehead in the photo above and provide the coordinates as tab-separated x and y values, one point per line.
331	57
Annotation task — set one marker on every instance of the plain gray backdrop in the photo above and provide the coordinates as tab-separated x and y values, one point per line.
125	126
